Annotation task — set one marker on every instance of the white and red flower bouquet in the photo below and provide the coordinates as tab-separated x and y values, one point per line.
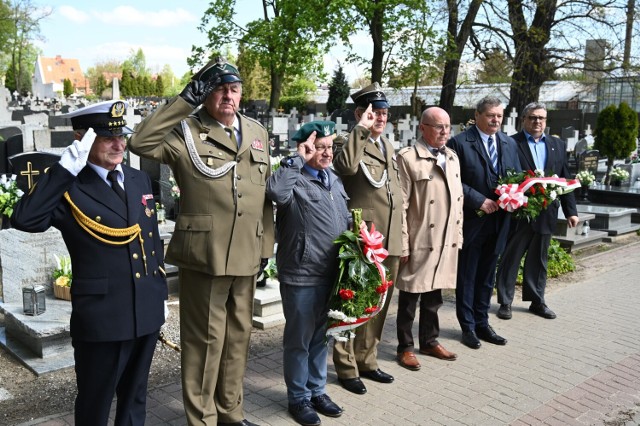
361	286
528	193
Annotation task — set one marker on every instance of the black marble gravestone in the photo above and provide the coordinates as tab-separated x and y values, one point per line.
588	161
29	166
9	148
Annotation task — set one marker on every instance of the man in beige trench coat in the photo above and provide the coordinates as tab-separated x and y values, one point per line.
220	161
431	235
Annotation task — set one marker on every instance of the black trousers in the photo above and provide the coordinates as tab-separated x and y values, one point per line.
428	326
105	369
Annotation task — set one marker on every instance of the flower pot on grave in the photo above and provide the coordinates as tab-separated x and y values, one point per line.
616	183
584	193
62	292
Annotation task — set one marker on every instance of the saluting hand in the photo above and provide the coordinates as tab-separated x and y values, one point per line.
74	157
307	149
368	118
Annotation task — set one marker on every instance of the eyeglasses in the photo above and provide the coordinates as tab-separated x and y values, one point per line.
439	127
536	118
322	148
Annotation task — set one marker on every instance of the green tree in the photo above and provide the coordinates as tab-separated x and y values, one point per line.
458	33
67	88
101	85
616	133
338	91
159	89
255	79
384	20
127	84
287	41
496	68
25	20
96	74
137	62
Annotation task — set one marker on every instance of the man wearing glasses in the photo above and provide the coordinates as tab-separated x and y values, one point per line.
312	212
431	236
543	152
365	162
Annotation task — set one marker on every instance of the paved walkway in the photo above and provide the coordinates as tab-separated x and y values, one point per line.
582	368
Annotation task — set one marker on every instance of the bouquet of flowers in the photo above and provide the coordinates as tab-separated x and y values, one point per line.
361	287
62	278
618	174
9	194
528	193
585	177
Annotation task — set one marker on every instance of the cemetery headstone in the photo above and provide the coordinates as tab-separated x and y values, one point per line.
588	161
62	138
345	120
29	166
581	147
28	259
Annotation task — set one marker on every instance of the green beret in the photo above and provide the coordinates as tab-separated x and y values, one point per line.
218	71
322	129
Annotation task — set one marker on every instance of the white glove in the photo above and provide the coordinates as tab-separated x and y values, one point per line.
166	310
74	157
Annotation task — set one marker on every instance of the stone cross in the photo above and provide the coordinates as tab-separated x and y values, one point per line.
340	127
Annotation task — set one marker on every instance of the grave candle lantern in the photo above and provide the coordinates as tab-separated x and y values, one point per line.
33	300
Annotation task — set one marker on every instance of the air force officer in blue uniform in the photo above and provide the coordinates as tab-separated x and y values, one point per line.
118	288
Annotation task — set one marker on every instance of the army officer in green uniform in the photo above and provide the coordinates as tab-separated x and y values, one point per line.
220	161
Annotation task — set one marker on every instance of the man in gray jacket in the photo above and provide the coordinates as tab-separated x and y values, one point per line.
311	213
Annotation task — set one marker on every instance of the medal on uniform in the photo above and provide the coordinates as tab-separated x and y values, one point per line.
209	161
257	144
147	210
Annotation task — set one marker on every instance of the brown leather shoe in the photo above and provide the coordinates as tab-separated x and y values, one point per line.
408	360
439	352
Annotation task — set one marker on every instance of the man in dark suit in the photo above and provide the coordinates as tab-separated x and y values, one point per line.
485	154
543	152
105	212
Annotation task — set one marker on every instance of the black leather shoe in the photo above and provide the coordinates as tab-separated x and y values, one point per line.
377	376
325	406
243	422
489	335
470	339
504	312
353	385
304	413
542	310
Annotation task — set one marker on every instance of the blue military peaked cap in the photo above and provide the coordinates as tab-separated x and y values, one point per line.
106	118
322	129
371	94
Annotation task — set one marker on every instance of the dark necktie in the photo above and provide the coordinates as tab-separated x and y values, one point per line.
493	153
113	178
324	179
232	135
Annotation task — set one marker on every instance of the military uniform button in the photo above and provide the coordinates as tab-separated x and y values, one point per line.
135	256
239	213
98	218
150	234
137	274
453	245
432	201
457	222
155	273
239	194
153	252
430	248
239	177
432	226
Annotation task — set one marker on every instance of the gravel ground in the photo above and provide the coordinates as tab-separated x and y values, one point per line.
24	396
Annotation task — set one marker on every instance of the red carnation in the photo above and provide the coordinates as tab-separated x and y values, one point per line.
370	309
346	294
381	289
531	173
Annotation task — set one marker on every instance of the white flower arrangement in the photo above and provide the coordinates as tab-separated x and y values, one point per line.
9	194
585	177
618	174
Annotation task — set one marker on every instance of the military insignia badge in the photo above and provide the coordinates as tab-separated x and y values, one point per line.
327	130
117	109
203	136
257	144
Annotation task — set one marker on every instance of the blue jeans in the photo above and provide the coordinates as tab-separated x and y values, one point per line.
304	341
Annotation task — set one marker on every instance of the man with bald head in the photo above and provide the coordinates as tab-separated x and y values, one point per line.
431	235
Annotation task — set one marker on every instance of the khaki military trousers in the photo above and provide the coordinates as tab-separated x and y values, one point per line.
361	352
215	326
